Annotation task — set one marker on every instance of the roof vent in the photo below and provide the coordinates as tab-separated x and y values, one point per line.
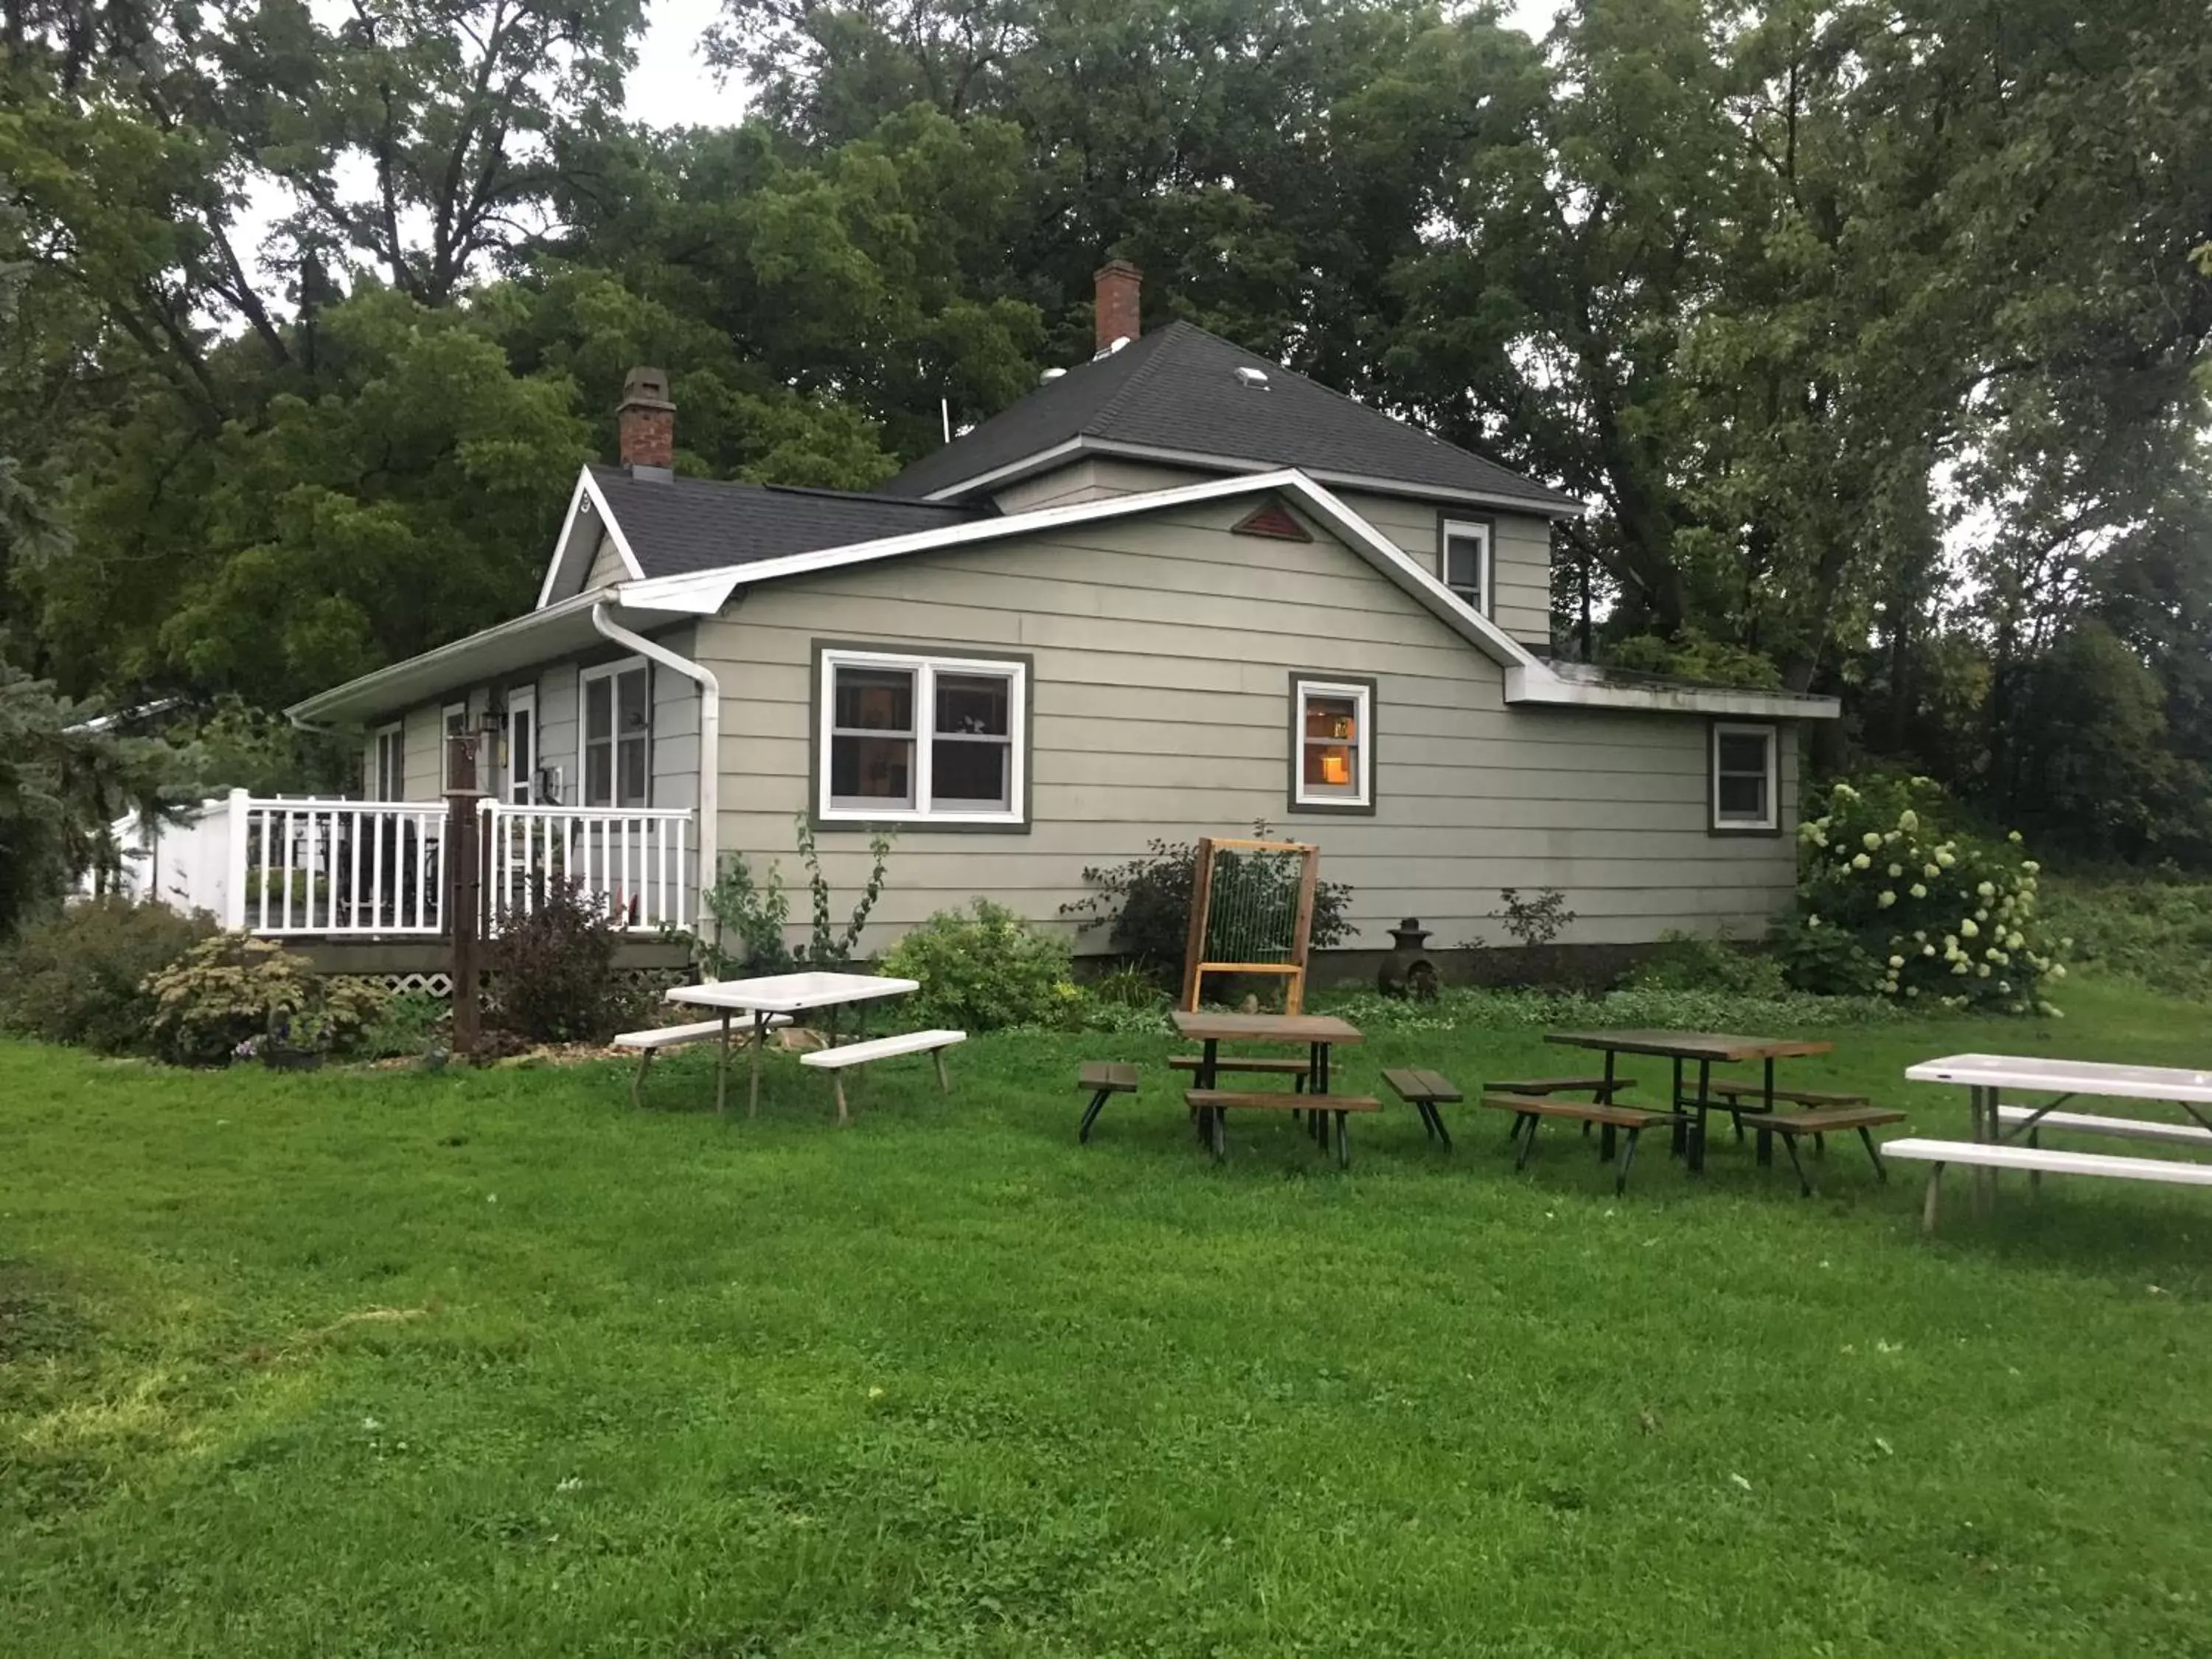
1050	375
1255	378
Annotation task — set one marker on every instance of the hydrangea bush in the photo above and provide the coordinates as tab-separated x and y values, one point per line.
1942	916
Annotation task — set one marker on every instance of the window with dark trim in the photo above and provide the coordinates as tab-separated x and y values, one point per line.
1467	562
931	738
1745	773
1332	744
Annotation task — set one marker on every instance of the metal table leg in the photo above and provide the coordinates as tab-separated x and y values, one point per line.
722	1068
760	1041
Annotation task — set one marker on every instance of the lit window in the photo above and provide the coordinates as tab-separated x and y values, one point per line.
1333	761
1468	566
936	738
617	735
1743	777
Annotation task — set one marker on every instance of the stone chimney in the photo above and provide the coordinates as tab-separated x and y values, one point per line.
645	424
1117	287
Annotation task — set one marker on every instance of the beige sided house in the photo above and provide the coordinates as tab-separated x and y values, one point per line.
1175	590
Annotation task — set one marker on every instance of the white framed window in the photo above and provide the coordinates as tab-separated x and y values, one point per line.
1744	777
1333	744
453	722
1467	562
522	746
615	736
387	764
936	739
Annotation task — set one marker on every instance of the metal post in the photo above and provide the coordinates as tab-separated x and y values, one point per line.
464	893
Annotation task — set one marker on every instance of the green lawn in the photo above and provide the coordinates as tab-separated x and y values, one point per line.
490	1363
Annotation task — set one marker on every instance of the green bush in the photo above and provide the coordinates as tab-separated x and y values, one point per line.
552	968
1943	915
411	1023
2154	931
1144	903
1692	962
1457	1008
228	994
983	969
80	976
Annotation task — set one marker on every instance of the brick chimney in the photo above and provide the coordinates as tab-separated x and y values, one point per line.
645	422
1117	287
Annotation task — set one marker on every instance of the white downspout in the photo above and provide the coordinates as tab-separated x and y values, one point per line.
710	733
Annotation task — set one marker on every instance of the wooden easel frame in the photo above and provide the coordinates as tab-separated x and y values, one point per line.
1196	967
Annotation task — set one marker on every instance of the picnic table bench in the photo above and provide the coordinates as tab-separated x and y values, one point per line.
1425	1091
1211	1105
1104	1078
651	1042
1528	1111
836	1061
2099	1123
2038	1160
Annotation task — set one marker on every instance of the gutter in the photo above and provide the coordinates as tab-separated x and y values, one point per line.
710	733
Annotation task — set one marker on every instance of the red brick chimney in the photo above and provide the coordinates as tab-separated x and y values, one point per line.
1117	288
645	421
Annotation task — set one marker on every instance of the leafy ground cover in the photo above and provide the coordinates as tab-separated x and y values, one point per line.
490	1363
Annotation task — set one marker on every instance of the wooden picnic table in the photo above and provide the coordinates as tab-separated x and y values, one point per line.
1703	1049
782	994
1319	1032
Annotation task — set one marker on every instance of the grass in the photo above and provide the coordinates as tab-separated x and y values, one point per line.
491	1365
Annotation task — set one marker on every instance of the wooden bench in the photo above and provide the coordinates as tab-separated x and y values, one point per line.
835	1060
1528	1111
1103	1077
2094	1123
1791	1124
1735	1091
2038	1160
1213	1104
1249	1066
1425	1091
649	1043
1561	1085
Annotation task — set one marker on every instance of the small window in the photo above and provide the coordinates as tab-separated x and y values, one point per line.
388	765
937	739
1333	763
617	735
1744	777
1468	566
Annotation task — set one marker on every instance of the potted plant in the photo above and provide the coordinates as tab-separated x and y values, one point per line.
296	1041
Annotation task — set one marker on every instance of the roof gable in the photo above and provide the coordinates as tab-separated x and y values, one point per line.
672	526
1182	392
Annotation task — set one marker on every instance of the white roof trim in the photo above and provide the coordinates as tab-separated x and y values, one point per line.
587	488
1069	449
1549	686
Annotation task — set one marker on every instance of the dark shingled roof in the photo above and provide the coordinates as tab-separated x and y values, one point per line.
1177	390
677	525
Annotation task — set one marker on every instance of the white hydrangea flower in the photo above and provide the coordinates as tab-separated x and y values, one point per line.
1861	861
2058	970
1931	871
1895	870
1982	969
1967	928
2013	941
1988	889
1913	990
1944	857
1897	962
1908	819
2014	837
1886	899
1870	841
1917	891
1927	950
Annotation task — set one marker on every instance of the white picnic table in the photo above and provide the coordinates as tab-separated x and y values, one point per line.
1986	1077
781	994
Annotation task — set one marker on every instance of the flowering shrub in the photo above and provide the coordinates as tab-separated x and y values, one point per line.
1943	917
983	969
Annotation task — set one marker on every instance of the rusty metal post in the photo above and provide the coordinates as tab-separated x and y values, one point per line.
463	893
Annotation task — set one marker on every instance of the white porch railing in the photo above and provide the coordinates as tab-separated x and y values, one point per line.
297	867
633	858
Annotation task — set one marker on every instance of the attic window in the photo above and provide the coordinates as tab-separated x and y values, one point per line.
1271	518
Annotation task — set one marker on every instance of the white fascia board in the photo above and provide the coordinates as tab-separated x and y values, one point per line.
1195	461
1541	685
698	593
587	490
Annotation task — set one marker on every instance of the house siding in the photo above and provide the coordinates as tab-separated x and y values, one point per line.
1162	648
607	567
1090	479
1522	546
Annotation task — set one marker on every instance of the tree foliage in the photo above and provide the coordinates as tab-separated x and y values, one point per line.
1874	330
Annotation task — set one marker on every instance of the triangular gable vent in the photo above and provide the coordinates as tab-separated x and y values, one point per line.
1273	519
